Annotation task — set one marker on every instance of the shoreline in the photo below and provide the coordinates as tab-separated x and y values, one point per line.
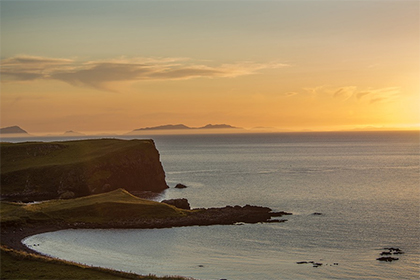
18	257
12	235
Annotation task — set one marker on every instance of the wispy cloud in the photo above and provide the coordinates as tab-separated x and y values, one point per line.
291	93
27	68
346	93
360	94
100	74
379	95
314	91
34	60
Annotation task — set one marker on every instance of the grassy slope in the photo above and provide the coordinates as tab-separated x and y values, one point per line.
101	208
21	265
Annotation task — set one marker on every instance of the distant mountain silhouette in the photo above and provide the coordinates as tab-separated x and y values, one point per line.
164	127
12	130
73	133
211	126
183	126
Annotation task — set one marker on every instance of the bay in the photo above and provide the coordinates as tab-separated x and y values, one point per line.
365	185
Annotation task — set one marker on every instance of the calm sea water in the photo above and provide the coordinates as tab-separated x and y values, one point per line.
366	185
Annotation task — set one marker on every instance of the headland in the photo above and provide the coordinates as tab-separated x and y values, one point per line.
80	185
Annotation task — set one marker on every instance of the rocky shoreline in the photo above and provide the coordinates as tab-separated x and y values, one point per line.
12	234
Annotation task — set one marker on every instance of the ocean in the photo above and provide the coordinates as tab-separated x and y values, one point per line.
364	187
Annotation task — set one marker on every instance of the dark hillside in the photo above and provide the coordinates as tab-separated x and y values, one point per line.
40	170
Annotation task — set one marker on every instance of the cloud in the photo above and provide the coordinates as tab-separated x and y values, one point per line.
100	74
377	99
185	73
21	75
314	91
360	94
34	60
27	68
353	93
291	93
379	95
344	92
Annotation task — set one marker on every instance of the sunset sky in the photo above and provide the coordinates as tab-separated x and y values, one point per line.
114	66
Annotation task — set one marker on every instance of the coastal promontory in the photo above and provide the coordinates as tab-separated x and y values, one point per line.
47	170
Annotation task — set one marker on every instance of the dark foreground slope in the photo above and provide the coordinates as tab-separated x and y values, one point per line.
22	265
41	170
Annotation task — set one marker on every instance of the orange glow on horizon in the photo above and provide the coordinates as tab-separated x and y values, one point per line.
277	72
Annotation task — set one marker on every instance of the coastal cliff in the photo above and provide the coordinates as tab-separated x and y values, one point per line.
46	170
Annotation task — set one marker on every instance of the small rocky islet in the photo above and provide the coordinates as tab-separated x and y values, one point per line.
386	255
180	186
315	264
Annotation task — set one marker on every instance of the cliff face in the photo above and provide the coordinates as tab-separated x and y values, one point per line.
35	171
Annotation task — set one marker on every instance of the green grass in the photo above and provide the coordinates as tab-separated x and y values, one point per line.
21	265
102	208
18	156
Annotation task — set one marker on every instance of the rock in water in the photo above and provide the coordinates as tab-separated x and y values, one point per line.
181	203
387	259
180	186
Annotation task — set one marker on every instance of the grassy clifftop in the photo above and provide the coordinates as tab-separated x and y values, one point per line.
117	205
42	170
16	156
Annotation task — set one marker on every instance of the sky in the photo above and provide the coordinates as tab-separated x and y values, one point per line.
114	66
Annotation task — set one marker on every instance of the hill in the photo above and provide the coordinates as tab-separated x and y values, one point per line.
45	170
13	130
217	126
114	206
164	127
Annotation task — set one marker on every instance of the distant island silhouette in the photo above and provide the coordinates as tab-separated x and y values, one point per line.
73	133
12	130
19	132
183	126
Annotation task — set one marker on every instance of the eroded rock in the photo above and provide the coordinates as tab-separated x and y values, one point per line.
387	259
181	203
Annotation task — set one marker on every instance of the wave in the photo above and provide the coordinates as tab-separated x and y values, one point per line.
193	171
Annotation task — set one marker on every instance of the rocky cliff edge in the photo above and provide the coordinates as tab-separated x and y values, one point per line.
44	170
